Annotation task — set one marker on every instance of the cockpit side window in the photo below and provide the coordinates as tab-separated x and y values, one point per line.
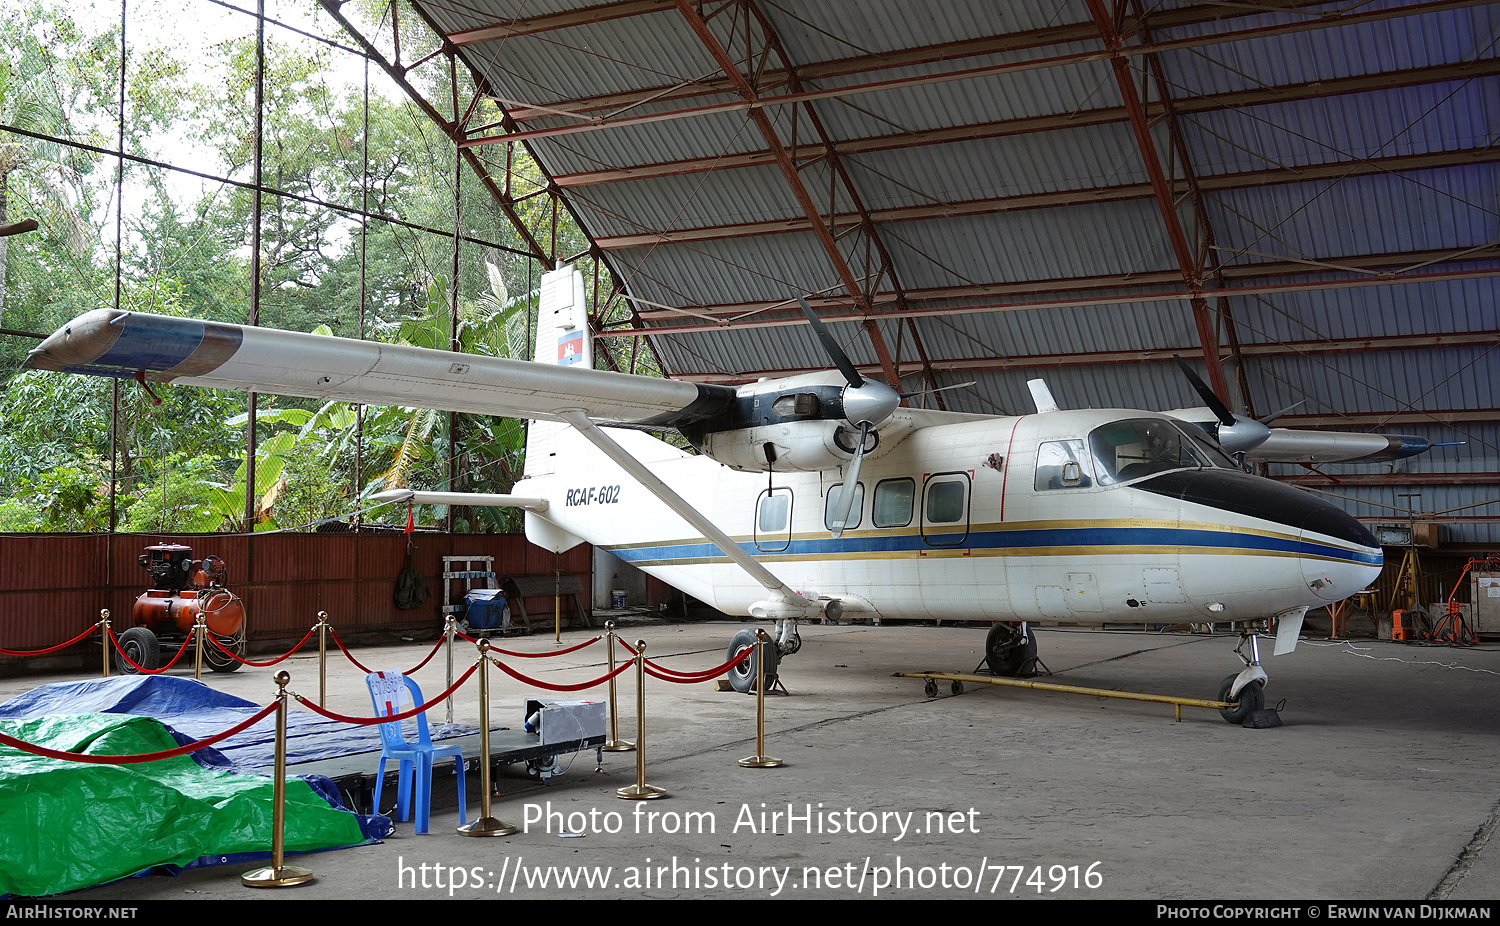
1137	447
1062	464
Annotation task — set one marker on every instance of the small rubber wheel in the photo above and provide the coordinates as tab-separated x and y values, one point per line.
930	689
742	676
957	687
143	649
1008	654
1251	698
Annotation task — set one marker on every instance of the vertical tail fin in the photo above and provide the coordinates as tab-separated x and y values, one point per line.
563	339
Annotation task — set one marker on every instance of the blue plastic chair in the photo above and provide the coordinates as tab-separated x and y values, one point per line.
393	693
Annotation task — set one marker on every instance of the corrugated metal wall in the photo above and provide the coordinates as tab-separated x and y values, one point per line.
52	586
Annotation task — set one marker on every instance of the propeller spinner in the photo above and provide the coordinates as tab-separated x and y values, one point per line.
1235	433
867	403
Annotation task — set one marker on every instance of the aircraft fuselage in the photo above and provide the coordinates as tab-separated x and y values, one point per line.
981	520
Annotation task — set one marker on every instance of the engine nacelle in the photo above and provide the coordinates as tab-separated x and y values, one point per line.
795	446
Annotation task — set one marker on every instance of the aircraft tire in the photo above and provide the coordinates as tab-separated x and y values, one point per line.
1251	698
141	645
1008	656
742	676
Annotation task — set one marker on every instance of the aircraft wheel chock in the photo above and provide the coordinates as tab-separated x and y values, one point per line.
742	676
1251	698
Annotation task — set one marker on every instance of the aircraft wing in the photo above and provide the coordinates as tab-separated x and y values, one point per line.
187	351
1289	445
1261	444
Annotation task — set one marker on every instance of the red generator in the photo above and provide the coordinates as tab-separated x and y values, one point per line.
182	588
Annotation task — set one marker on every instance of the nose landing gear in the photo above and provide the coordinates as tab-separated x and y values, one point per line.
1244	692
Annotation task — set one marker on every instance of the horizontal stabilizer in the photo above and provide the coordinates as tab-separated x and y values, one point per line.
476	499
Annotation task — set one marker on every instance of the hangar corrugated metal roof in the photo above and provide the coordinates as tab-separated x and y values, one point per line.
1330	181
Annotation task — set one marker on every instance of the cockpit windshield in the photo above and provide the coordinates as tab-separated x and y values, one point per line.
1136	447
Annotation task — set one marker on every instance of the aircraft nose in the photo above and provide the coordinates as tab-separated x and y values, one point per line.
1334	571
1336	554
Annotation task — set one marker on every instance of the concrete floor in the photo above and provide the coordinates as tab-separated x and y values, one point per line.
1384	782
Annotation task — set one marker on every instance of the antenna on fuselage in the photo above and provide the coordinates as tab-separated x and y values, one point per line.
1042	396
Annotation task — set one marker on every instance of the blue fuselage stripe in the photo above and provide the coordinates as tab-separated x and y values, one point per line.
979	541
154	347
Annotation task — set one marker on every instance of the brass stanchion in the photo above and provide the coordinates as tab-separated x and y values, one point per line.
278	875
760	759
640	791
614	744
486	825
200	626
104	638
450	627
322	659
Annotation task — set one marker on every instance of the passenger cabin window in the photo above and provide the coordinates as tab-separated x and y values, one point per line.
773	520
1062	464
945	502
1139	447
856	512
945	509
893	502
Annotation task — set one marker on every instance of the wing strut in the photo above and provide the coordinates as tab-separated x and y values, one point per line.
783	603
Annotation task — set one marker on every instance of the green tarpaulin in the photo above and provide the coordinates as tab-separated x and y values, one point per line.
67	825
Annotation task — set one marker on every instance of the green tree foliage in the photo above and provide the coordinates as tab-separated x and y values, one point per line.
355	241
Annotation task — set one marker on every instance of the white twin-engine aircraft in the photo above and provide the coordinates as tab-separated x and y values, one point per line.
819	495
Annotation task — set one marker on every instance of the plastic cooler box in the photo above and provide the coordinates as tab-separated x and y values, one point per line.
485	609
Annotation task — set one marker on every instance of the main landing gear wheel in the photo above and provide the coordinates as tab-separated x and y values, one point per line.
742	676
217	659
142	647
1009	652
1251	698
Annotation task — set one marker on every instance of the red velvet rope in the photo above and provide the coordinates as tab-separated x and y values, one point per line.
686	678
561	652
667	675
413	670
550	687
50	649
131	662
261	665
372	721
348	655
138	758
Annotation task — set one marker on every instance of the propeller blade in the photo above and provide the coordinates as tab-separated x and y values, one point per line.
1225	416
913	395
831	346
1270	418
851	480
